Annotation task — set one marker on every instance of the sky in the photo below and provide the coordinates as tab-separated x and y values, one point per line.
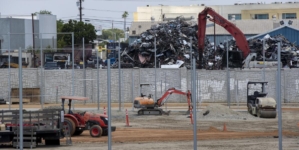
103	10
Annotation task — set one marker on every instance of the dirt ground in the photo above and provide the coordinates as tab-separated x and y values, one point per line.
175	132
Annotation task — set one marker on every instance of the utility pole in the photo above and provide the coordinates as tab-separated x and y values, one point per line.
79	4
80	9
112	24
33	39
161	12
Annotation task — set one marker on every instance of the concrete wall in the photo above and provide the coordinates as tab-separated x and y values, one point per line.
212	85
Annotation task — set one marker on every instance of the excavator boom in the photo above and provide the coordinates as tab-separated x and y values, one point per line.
241	41
170	91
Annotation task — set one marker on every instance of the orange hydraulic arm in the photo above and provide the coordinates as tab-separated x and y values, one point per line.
227	25
162	100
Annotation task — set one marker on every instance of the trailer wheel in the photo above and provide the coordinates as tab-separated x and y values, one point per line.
78	132
95	131
52	142
71	125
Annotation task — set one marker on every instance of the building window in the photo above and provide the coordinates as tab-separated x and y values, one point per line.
237	16
289	16
261	16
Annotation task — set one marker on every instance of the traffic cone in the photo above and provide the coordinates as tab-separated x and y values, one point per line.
104	111
127	119
224	127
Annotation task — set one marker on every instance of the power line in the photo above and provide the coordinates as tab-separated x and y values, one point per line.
113	10
105	10
94	17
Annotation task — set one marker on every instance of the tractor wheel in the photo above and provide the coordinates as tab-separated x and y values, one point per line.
78	132
95	131
71	124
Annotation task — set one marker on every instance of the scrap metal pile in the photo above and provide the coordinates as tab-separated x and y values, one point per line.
173	43
289	52
175	38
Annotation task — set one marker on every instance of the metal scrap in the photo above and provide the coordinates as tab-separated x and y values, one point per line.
175	38
172	44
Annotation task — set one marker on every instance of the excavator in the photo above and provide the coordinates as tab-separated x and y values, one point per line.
151	107
241	41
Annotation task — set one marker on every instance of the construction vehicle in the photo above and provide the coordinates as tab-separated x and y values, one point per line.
238	35
148	106
4	62
258	103
97	124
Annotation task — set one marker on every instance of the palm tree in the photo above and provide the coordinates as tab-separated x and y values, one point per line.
125	15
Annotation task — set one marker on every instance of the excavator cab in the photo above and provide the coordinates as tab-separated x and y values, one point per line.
258	103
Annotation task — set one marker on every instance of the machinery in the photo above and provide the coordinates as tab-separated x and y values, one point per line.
238	35
258	103
97	124
151	107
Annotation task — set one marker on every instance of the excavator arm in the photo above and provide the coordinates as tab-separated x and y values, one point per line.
170	91
241	41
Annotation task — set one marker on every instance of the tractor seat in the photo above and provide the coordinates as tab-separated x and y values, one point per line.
262	94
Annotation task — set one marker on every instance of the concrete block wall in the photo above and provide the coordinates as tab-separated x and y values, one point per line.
211	85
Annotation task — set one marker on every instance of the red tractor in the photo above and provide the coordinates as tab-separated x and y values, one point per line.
97	124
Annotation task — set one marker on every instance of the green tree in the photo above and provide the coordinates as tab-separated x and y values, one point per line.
80	30
60	41
125	15
43	12
108	34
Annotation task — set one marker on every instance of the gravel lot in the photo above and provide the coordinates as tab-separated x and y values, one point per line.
175	131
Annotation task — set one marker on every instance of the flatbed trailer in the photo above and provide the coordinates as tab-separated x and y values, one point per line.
37	126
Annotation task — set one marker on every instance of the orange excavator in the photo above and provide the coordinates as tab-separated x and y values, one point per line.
241	41
151	107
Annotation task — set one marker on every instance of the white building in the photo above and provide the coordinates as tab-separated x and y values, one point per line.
20	29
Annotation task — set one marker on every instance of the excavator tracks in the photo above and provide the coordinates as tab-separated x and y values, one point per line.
156	111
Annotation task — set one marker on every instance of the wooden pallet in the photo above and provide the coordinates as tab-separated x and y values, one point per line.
17	100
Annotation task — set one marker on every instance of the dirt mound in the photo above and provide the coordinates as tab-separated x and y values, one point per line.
213	129
218	111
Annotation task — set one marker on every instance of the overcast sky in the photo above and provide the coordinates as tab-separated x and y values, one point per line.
99	9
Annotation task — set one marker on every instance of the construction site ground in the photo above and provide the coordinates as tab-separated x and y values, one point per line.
222	128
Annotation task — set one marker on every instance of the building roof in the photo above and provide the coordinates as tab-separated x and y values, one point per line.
246	26
290	32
